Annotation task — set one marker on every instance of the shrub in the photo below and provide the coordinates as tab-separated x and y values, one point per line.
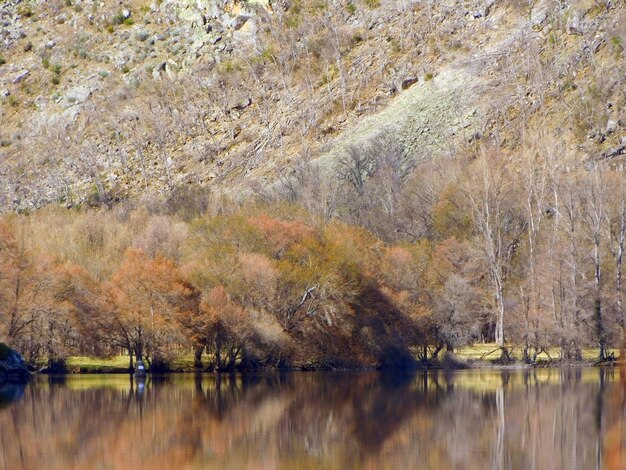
616	43
395	46
372	3
2	60
55	80
25	11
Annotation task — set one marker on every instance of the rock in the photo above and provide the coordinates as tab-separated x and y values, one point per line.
142	35
40	103
484	11
77	95
192	15
611	126
196	46
171	69
21	76
615	151
408	82
50	44
156	72
239	102
234	22
487	7
538	17
12	365
573	25
4	93
125	13
240	22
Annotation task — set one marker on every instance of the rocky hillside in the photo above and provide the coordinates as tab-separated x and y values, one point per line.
106	100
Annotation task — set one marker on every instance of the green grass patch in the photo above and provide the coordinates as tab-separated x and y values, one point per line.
119	364
88	365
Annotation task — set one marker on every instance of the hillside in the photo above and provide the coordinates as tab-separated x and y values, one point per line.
104	101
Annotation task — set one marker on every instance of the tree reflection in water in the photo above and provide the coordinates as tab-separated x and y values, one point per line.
568	418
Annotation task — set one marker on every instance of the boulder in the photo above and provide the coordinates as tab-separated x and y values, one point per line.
538	18
21	76
573	25
239	102
611	126
77	95
12	365
408	82
142	35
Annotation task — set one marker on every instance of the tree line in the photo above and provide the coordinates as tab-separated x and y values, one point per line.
372	262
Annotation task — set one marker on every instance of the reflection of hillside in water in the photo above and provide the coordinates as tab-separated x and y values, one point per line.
568	418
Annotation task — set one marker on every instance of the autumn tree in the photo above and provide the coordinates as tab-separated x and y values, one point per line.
146	294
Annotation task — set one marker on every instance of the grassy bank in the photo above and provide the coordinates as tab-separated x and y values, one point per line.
489	352
119	364
475	355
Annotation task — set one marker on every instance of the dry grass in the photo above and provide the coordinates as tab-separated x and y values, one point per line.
491	352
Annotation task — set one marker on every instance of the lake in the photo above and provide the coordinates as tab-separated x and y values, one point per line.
473	419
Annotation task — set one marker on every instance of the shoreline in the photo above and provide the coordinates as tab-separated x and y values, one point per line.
435	367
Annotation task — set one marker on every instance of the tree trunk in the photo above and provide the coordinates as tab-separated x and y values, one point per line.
598	300
218	353
197	357
618	281
499	333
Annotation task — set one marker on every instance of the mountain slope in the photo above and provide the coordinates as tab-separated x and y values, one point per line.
101	101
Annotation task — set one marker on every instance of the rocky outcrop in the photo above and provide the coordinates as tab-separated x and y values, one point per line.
12	365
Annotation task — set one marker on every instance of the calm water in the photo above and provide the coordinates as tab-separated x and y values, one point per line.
540	419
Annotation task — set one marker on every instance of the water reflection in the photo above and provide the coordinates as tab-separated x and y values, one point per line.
571	418
10	392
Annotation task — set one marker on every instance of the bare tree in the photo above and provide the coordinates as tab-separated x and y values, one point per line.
499	224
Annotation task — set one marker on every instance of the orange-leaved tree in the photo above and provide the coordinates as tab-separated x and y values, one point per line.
146	295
